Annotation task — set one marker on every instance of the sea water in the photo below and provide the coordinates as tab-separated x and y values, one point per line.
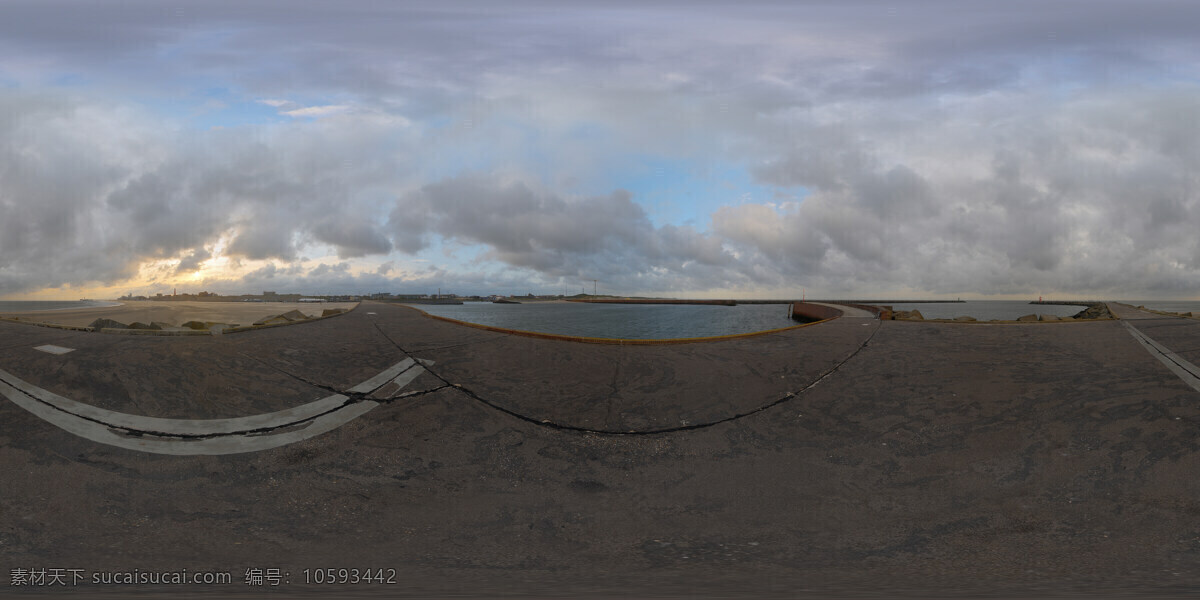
663	321
623	321
987	310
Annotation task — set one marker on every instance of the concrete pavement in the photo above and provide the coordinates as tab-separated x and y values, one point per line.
1160	334
898	458
849	311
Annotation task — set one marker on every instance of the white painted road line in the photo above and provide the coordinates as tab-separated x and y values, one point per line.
228	444
387	375
177	426
202	436
1189	373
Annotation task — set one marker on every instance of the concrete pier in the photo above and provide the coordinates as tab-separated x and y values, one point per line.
852	457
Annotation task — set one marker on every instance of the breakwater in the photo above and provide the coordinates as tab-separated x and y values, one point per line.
806	312
439	301
657	301
1067	302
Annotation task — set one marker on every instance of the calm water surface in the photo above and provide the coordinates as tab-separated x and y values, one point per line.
986	310
647	321
624	321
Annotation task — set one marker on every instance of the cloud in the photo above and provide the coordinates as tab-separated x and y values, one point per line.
54	226
90	191
190	263
316	111
523	226
351	236
1083	194
1005	149
526	227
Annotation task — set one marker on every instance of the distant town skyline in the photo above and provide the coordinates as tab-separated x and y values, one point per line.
924	149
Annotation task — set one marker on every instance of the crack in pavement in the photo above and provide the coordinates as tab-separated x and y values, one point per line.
290	374
356	396
577	429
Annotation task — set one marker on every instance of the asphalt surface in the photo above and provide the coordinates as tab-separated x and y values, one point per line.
849	458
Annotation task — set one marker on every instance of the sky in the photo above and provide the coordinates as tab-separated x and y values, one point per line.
750	149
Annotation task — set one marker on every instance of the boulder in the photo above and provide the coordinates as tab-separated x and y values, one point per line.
1027	318
160	325
329	312
272	320
1048	318
294	315
916	315
143	326
197	325
964	318
99	324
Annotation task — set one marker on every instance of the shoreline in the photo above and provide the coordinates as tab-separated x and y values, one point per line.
174	312
109	304
613	341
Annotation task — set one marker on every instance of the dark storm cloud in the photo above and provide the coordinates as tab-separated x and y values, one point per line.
191	262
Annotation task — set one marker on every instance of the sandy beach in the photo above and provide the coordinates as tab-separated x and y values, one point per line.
175	313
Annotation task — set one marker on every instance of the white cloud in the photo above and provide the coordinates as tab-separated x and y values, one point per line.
1004	159
316	111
